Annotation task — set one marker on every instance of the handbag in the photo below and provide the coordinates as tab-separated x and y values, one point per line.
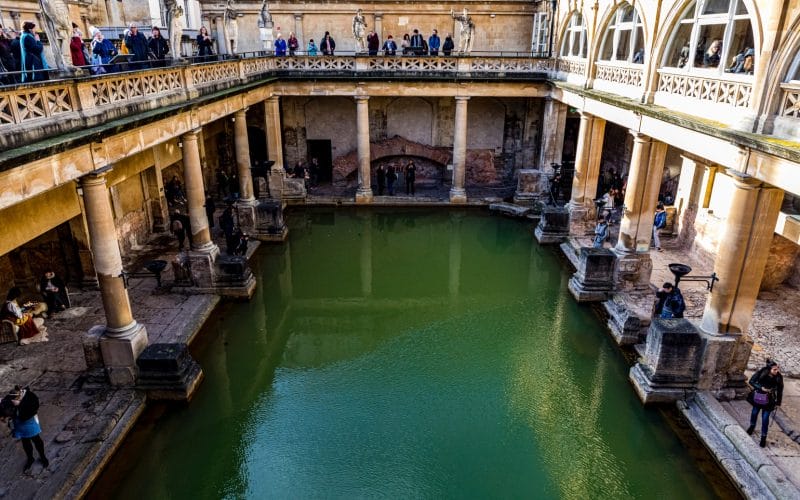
760	398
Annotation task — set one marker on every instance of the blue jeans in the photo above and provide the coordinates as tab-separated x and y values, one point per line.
764	419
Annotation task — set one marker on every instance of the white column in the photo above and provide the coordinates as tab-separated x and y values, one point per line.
364	192
457	192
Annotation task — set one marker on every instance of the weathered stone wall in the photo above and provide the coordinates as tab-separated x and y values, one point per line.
130	214
780	263
502	134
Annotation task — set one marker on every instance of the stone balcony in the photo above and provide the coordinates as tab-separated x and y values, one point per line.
37	111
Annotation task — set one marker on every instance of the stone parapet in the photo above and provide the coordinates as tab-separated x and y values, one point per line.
629	316
594	279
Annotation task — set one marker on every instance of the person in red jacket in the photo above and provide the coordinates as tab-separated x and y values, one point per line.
77	49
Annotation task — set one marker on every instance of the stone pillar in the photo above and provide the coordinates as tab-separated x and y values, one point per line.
379	25
593	280
123	339
246	205
554	126
744	248
641	198
687	198
222	39
272	125
587	173
80	235
708	184
457	192
364	192
298	32
553	226
155	199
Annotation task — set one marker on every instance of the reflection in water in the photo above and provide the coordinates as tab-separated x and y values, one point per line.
405	355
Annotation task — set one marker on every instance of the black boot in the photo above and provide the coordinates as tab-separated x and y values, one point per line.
751	429
763	442
45	462
28	464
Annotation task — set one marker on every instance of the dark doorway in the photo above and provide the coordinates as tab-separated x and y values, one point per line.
258	145
321	150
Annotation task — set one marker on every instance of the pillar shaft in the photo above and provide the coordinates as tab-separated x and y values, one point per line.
457	192
641	197
743	250
687	198
107	258
195	192
222	36
587	161
552	147
364	192
708	184
243	156
272	114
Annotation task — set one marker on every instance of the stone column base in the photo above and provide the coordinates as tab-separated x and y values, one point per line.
276	178
458	196
594	279
669	367
723	364
363	196
529	187
629	316
633	271
201	265
553	226
581	220
119	352
246	215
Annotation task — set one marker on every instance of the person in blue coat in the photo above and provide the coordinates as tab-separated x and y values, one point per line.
434	43
280	46
32	62
659	223
137	45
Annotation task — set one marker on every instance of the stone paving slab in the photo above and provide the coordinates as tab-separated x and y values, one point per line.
84	420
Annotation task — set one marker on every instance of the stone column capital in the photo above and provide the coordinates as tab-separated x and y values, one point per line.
744	181
361	98
96	177
640	137
191	135
240	113
463	98
585	115
297	16
273	99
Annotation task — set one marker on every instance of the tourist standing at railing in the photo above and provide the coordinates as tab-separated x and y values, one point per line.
7	59
293	43
434	42
102	52
389	47
77	50
204	43
406	44
327	45
32	61
373	43
158	48
311	48
137	45
448	46
280	46
417	43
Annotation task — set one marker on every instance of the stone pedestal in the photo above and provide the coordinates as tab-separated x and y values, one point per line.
201	265
276	178
594	279
668	370
270	225
246	215
629	316
722	367
233	277
529	188
120	350
581	220
293	190
168	372
553	227
633	271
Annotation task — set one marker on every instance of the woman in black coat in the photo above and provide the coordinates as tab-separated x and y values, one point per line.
204	43
767	394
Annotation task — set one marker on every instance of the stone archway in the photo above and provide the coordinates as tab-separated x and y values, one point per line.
431	161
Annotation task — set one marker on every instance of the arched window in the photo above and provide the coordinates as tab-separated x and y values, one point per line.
574	42
713	35
624	38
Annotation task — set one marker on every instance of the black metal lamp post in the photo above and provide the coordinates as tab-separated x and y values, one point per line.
681	270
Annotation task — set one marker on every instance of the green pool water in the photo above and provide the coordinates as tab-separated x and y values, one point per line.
407	354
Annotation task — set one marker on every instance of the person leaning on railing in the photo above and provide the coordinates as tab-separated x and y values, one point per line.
204	43
102	52
32	63
8	63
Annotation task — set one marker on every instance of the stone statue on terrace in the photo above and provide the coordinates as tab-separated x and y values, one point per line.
175	22
360	31
231	27
467	31
58	27
265	26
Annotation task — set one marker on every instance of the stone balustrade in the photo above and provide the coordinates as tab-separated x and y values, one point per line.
790	104
621	74
732	91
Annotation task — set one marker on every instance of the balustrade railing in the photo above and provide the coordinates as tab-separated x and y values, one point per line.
731	90
790	104
623	74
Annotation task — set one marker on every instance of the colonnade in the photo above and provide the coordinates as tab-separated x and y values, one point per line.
744	241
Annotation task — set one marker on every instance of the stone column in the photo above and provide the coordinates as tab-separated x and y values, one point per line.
246	205
379	25
457	192
298	32
743	250
641	198
554	126
123	339
587	172
222	38
687	198
708	184
272	125
364	192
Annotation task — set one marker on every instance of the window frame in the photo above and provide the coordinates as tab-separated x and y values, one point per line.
618	24
541	33
568	38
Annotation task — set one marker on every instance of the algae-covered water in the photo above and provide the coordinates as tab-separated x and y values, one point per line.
404	355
